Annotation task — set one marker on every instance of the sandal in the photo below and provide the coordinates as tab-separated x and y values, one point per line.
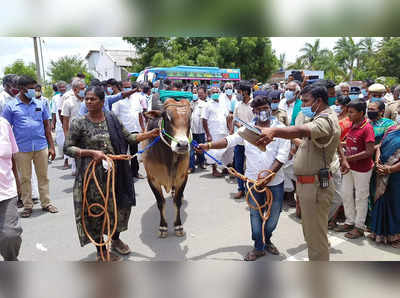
50	208
332	225
113	258
354	234
344	228
27	212
395	244
254	255
120	247
272	249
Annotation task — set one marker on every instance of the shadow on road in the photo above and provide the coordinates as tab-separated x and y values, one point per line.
167	248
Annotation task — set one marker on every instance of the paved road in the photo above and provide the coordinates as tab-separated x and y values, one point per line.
217	228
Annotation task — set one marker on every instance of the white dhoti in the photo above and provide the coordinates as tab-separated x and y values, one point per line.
223	155
288	185
60	139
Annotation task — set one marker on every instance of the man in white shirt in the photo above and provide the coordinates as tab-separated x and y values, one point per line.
230	102
287	103
215	124
244	112
10	90
57	120
273	158
130	112
70	108
198	133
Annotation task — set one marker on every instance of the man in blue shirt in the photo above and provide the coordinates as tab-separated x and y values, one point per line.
29	119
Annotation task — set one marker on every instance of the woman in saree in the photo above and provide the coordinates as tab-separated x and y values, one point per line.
92	137
385	217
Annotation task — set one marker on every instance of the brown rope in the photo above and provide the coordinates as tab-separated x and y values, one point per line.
262	179
106	227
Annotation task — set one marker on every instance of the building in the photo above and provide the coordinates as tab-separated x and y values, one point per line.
106	64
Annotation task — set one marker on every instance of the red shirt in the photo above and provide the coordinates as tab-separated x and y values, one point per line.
356	142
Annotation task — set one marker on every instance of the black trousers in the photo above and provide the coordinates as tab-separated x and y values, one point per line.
133	149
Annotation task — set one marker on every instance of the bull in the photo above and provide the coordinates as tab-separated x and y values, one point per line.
167	162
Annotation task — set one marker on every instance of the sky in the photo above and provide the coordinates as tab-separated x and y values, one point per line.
13	48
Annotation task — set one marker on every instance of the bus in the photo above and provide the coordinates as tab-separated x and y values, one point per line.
199	74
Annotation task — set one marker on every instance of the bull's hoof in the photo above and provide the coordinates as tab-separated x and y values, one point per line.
179	232
163	233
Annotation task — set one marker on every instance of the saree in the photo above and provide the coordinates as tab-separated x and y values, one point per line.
385	217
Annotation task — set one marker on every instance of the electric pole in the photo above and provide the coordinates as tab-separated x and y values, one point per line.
41	57
35	46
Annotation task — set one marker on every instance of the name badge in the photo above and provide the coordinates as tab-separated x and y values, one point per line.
38	109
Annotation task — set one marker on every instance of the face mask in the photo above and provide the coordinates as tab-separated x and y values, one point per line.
229	92
337	109
353	96
264	116
30	94
81	93
215	96
195	97
274	106
127	89
364	92
154	90
373	115
307	111
289	95
331	101
110	90
375	99
38	94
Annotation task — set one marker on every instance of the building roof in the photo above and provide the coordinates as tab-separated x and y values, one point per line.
120	57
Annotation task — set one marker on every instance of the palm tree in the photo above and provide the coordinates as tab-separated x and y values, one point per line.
328	63
347	52
299	64
282	61
311	53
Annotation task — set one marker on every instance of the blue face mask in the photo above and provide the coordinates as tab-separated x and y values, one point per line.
307	112
154	90
364	92
81	93
127	89
375	99
110	90
195	97
30	94
331	101
215	96
289	95
229	92
274	106
353	96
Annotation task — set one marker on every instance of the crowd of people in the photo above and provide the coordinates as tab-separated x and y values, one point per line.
334	152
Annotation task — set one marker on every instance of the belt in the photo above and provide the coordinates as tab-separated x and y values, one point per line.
308	179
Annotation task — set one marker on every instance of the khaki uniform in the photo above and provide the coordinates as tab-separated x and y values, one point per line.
282	117
392	110
315	201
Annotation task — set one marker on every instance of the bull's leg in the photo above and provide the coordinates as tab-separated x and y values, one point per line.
157	191
178	204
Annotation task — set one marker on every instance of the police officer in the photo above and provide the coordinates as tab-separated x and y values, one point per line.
321	137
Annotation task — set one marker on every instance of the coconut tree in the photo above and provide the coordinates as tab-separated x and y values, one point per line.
311	52
347	52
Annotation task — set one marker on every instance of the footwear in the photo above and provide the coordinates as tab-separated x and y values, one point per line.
20	204
139	176
225	171
395	244
354	234
344	228
239	195
50	208
203	167
113	258
332	225
120	247
254	255
27	212
271	248
35	201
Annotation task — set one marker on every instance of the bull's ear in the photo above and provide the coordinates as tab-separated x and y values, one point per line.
152	114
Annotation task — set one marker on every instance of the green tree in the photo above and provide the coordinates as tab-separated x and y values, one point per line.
388	58
347	52
298	64
328	63
65	68
20	68
311	53
282	61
